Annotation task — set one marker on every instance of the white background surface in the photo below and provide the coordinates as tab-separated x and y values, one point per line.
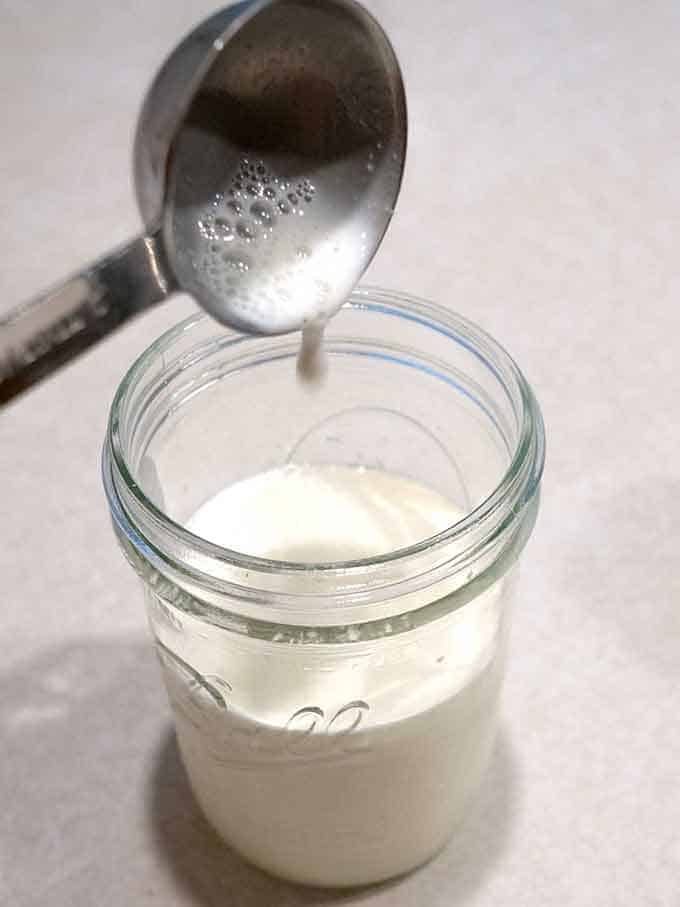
542	199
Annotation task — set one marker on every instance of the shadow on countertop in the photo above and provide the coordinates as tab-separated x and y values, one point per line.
215	876
97	807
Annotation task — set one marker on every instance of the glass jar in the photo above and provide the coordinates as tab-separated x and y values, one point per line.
334	718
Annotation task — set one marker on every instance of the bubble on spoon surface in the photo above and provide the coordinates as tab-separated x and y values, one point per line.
246	231
262	212
223	229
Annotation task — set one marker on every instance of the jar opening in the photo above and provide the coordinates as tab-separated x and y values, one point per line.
393	348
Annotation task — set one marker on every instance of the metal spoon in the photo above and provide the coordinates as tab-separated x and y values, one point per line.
267	163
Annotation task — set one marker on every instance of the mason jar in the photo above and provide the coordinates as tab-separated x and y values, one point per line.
334	718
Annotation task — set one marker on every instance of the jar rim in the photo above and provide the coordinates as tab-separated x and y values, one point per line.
510	496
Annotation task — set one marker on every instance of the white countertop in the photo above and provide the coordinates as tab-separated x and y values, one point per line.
543	200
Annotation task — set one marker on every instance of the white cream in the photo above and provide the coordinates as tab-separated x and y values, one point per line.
337	765
311	361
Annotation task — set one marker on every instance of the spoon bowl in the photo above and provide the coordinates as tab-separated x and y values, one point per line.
276	178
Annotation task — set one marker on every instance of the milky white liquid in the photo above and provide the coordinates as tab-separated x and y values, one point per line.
337	764
271	255
311	361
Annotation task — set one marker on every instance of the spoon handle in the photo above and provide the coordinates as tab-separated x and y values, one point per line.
45	333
